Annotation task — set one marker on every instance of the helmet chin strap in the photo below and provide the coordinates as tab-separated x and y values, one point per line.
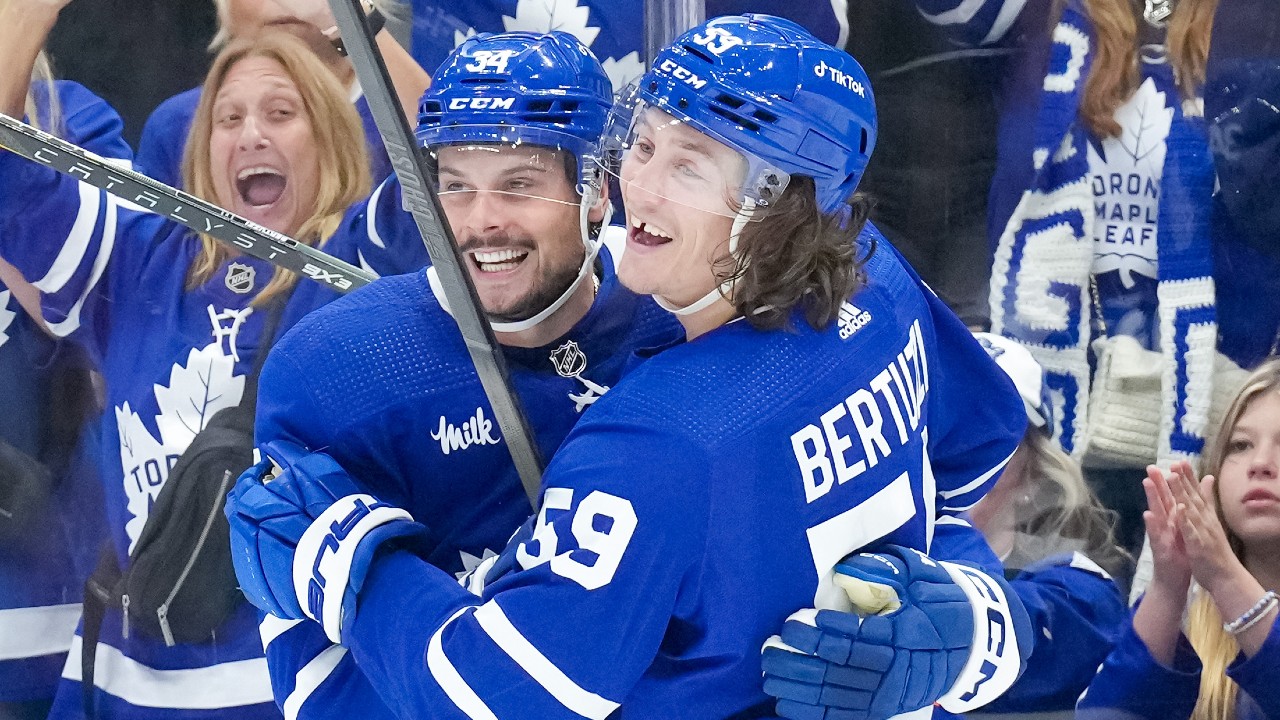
592	246
725	289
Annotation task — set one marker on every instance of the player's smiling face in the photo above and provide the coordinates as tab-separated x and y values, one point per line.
1249	480
515	214
262	150
677	186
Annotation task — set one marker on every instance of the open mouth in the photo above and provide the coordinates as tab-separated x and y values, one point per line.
647	235
260	187
495	261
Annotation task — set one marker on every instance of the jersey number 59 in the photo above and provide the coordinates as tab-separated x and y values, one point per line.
602	526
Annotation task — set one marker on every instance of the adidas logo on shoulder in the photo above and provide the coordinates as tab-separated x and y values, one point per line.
851	320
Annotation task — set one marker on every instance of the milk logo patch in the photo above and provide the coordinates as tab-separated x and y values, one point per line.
240	278
570	362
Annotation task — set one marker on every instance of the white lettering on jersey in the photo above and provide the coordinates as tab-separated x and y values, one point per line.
608	545
823	452
476	430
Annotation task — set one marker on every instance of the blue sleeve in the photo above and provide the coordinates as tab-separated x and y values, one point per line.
62	234
976	417
1132	684
385	235
314	678
955	539
164	138
1257	675
970	22
571	631
1076	614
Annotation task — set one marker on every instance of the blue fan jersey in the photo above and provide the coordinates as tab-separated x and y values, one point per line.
702	500
164	139
613	30
114	281
42	572
382	382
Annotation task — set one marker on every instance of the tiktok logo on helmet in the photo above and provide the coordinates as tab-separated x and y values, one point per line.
822	69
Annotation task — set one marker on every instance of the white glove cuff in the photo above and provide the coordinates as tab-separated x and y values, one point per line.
994	661
322	562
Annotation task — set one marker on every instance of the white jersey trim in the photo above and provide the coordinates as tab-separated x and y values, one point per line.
552	679
311	676
454	687
273	627
37	631
72	322
371	216
77	242
978	481
225	685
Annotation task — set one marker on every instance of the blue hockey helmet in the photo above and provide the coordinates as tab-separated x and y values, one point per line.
763	85
518	88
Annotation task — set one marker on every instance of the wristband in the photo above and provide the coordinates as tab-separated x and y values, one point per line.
374	20
1253	615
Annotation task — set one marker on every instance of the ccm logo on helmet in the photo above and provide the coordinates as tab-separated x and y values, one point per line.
822	69
481	103
685	76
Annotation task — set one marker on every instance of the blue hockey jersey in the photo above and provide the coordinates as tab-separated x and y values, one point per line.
164	138
694	507
382	381
43	571
613	30
114	281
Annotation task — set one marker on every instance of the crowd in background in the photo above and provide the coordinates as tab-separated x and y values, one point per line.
1087	184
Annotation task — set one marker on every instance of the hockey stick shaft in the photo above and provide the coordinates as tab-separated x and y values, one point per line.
420	200
201	216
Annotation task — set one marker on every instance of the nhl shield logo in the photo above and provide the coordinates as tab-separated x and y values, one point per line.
240	278
569	360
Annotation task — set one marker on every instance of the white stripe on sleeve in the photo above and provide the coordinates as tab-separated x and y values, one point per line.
77	242
450	681
273	627
310	677
568	693
977	482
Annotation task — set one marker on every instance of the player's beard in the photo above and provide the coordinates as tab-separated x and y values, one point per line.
552	282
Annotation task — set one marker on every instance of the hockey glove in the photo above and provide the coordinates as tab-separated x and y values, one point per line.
922	647
303	537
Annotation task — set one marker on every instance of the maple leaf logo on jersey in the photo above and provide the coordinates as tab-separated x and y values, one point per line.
1126	174
7	316
197	390
542	16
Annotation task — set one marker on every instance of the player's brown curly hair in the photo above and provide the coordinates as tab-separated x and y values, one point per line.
796	256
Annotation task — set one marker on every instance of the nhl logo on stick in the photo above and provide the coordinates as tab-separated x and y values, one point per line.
569	360
240	278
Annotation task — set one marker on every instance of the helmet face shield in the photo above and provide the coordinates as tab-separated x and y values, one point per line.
512	165
654	151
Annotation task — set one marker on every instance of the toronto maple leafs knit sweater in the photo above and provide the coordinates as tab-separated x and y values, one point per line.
1042	227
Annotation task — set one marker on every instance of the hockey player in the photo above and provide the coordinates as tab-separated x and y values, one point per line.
174	324
511	122
165	134
707	495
